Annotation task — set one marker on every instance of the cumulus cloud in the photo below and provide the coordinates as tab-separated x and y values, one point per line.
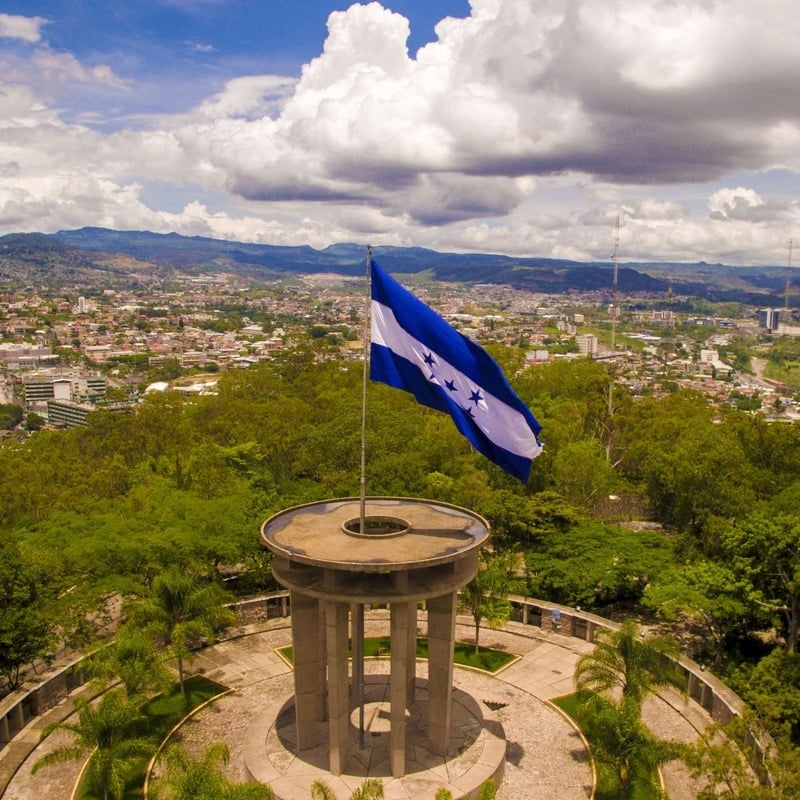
524	127
248	97
639	96
745	205
28	29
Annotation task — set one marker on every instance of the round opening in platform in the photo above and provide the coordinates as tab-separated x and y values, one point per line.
376	527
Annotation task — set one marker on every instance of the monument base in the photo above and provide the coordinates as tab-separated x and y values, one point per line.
477	749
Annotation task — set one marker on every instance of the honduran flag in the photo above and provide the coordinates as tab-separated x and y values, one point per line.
414	349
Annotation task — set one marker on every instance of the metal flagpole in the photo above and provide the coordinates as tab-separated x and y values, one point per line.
367	331
358	645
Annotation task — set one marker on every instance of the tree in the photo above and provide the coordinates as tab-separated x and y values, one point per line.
27	625
722	759
10	416
486	595
180	612
626	661
107	729
706	592
596	564
370	789
34	421
583	473
718	759
764	549
773	689
691	460
201	778
132	658
621	740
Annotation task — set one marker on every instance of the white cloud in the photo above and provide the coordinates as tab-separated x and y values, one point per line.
524	128
28	29
745	205
249	97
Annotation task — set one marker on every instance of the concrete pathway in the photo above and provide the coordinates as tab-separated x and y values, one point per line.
546	759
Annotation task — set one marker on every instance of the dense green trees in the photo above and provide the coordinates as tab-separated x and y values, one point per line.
10	416
184	483
27	620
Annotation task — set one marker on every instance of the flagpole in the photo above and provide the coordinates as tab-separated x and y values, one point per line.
358	645
367	314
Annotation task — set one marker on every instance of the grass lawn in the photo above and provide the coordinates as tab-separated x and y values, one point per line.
789	373
607	783
163	713
486	659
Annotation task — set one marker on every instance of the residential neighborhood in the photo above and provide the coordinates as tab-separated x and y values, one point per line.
64	354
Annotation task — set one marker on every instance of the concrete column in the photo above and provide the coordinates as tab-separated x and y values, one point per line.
441	642
338	689
411	657
706	696
400	618
309	691
356	643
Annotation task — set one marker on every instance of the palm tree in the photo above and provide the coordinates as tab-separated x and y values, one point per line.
133	659
625	660
180	612
105	729
486	595
188	778
321	791
370	789
622	741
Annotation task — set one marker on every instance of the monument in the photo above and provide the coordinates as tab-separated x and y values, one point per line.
338	557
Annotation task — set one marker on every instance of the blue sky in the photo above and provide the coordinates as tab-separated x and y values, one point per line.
516	126
200	44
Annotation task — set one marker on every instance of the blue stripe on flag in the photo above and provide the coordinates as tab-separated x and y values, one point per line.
414	349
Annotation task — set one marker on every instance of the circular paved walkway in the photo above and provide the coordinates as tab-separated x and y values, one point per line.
545	759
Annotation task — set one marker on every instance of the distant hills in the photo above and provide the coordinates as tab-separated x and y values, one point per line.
89	255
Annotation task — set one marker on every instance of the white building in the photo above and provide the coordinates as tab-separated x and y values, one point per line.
587	344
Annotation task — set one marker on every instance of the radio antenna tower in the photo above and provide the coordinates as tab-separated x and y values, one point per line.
788	279
614	310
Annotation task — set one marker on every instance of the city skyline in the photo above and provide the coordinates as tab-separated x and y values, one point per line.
493	126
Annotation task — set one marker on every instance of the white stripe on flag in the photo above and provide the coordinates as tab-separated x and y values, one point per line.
504	425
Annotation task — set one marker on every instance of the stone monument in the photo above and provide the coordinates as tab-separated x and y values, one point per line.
337	557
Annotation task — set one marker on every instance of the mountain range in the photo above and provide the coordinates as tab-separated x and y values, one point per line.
116	258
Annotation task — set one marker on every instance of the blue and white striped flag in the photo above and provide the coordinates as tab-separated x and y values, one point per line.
414	349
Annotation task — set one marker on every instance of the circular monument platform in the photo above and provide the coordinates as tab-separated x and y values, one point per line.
337	557
410	549
476	753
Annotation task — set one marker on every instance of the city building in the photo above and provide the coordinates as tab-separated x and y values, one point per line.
587	344
769	318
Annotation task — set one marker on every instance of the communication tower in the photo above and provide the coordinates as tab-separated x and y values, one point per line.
614	309
788	279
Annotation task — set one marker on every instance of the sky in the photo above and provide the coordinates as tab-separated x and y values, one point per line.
523	127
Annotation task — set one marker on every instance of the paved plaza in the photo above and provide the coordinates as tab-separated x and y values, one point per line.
546	758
